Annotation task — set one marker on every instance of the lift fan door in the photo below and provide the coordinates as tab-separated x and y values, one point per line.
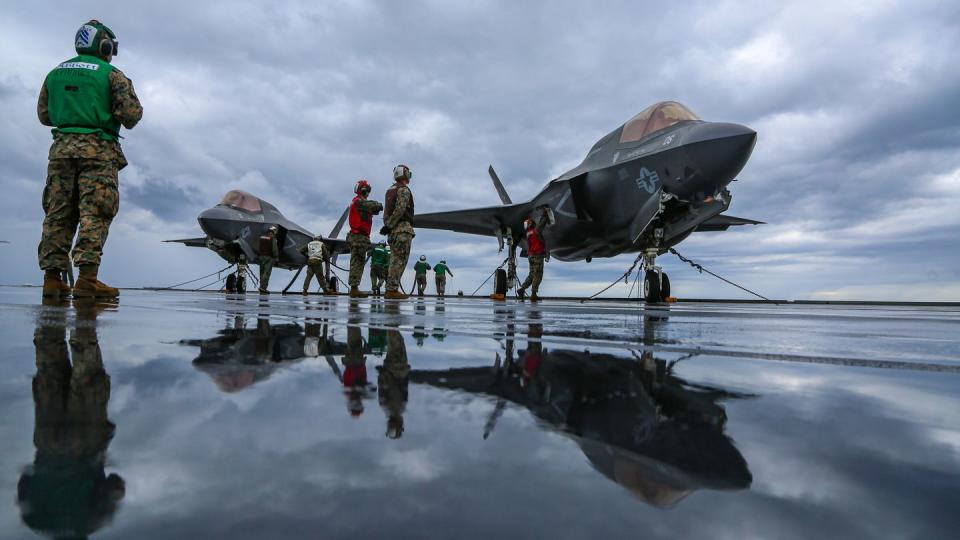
648	211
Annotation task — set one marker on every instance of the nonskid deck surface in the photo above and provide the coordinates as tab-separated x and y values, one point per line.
475	418
911	337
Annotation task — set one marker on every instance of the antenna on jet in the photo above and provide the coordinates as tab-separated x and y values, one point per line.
504	198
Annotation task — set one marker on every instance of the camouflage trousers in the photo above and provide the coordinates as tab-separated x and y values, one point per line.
536	274
378	276
266	268
315	268
441	285
359	245
79	193
399	254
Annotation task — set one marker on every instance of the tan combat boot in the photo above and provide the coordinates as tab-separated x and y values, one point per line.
88	286
53	285
395	295
355	292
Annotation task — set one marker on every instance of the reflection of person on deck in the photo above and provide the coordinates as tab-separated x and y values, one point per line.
393	381
354	372
67	493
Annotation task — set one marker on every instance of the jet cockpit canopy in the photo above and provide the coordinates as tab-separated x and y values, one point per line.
241	200
654	118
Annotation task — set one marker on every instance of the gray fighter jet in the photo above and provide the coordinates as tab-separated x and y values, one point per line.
233	226
643	187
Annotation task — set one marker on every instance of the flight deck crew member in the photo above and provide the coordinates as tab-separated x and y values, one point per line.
318	264
536	252
421	274
86	100
398	226
361	222
440	272
379	266
269	253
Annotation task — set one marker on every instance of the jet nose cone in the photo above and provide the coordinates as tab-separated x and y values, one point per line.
717	152
211	221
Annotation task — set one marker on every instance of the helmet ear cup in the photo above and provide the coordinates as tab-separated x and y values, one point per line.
106	46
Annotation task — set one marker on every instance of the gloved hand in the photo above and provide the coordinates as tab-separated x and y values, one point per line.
385	230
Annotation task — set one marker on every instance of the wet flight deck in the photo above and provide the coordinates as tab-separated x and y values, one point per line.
199	415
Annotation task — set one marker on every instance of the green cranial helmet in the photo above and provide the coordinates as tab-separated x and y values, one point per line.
95	39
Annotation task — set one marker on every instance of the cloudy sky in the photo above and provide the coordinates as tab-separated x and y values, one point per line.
856	168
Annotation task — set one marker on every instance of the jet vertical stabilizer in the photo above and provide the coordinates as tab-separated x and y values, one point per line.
504	198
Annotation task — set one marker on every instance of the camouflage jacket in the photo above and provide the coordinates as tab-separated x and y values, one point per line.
395	220
125	107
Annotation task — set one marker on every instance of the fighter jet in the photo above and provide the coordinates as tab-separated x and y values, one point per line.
644	187
649	431
233	226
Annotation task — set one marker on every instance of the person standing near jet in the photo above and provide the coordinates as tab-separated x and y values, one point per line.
398	226
361	222
379	265
85	100
269	253
318	264
440	272
421	274
536	252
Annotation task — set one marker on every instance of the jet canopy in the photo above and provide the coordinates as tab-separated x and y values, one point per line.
654	118
241	200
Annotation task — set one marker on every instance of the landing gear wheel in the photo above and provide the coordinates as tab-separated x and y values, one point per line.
241	285
651	287
664	287
500	282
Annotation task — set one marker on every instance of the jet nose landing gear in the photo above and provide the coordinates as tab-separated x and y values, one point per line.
656	283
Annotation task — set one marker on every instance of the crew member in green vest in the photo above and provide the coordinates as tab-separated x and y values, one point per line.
440	272
379	265
421	270
86	101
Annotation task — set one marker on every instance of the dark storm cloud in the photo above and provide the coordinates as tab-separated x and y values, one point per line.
168	201
855	106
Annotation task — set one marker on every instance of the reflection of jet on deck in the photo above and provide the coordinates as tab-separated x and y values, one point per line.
643	187
240	357
639	425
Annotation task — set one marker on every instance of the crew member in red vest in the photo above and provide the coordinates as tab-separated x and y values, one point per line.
536	252
269	251
361	223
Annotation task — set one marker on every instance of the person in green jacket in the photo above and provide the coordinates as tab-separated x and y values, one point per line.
421	269
379	265
440	272
85	100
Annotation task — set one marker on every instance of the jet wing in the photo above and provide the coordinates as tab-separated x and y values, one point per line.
191	242
336	246
721	222
483	221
